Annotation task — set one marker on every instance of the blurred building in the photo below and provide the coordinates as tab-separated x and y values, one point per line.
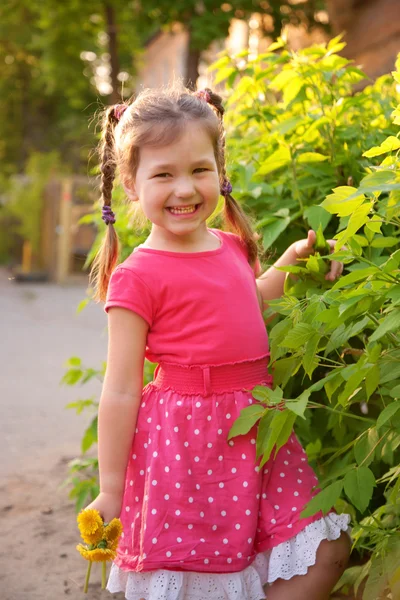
372	32
371	27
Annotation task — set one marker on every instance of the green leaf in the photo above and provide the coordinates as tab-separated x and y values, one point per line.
263	431
392	263
283	78
338	203
310	362
267	395
298	336
357	275
363	449
324	501
275	161
372	380
273	231
72	376
352	385
395	392
321	245
333	384
379	181
307	157
278	432
292	89
285	368
247	419
74	361
384	242
357	220
358	485
288	125
317	216
82	304
299	405
224	74
387	413
80	405
390	323
374	224
391	143
342	334
384	571
90	436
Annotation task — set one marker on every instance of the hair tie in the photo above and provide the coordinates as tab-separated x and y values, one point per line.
107	215
204	95
226	187
119	110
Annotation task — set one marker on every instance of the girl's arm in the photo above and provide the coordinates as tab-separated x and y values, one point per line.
270	284
119	405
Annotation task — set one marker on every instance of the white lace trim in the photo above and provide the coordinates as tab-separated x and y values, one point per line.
290	558
295	556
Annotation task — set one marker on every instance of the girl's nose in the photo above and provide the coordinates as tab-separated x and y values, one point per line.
184	187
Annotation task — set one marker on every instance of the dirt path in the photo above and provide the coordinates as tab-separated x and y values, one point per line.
38	436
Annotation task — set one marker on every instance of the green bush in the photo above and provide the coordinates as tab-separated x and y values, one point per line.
21	214
306	150
299	140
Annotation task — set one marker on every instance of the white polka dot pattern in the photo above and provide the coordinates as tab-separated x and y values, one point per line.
206	502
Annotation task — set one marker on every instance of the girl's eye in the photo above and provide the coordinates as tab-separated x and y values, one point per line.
200	170
162	175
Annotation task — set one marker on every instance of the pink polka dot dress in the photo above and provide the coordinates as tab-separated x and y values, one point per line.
201	519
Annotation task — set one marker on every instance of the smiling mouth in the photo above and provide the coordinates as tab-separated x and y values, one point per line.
180	210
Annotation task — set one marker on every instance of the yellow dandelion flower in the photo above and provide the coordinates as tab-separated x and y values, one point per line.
101	554
113	545
97	554
112	532
83	551
90	525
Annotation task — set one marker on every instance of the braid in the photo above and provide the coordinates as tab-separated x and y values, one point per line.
107	256
233	212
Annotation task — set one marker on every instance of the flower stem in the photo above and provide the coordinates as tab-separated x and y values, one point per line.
85	587
103	575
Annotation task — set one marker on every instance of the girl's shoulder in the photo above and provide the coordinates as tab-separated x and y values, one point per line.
233	240
239	247
140	263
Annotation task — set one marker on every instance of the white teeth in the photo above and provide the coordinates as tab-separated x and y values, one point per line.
177	211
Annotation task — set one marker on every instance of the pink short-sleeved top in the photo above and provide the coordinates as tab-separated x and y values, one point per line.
201	307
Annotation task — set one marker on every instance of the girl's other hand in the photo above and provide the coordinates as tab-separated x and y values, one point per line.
304	249
108	505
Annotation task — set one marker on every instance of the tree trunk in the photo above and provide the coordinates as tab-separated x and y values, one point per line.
111	26
192	65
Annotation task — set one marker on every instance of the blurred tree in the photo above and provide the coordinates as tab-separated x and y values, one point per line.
56	59
209	20
60	60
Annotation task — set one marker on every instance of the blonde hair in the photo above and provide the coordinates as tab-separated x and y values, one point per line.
156	118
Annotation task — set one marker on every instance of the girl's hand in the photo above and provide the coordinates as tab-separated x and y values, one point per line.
108	505
304	249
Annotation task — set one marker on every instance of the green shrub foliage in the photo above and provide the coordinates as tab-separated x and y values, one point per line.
308	150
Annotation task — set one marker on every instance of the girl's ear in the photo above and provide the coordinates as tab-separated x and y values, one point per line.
130	191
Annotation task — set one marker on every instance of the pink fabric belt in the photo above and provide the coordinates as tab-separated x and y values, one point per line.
207	380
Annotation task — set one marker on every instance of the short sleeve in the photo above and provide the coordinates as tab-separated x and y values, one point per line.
126	289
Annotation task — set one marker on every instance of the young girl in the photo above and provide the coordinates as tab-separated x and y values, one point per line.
202	520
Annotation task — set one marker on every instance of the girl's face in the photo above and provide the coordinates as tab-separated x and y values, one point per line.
178	185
